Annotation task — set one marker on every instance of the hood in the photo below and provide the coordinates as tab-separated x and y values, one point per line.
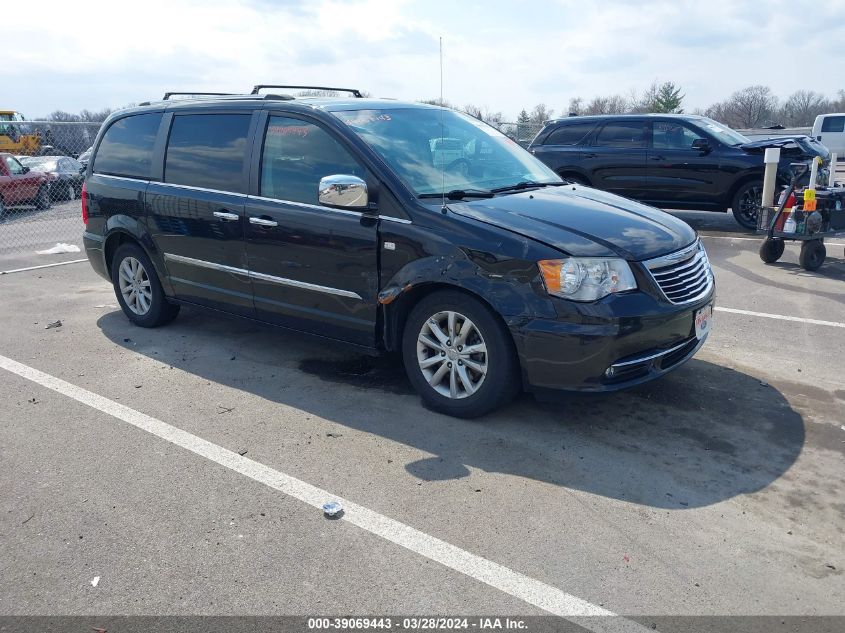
584	222
796	145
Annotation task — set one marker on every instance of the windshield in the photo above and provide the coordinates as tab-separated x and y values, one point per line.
461	154
40	163
723	132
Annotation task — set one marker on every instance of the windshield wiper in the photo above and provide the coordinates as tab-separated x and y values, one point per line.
526	184
459	194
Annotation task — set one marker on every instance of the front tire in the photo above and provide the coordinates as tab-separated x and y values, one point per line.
138	289
459	356
746	204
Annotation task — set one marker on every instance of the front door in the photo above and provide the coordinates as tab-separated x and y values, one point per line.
24	184
313	268
677	173
196	216
617	158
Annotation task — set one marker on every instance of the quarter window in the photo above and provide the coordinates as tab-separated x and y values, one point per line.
127	146
833	124
570	134
627	134
207	150
296	155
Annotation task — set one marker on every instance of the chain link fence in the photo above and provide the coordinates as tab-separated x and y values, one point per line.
42	166
522	133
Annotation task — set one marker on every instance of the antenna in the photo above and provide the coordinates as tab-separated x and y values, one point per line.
443	157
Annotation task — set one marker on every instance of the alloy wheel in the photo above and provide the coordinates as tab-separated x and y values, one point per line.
135	286
750	204
452	355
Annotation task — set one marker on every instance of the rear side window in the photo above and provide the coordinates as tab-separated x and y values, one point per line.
570	134
207	150
127	146
297	154
833	124
623	134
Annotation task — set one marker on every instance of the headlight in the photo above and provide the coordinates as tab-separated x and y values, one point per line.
586	278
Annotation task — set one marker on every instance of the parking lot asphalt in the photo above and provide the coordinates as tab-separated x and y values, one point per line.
719	489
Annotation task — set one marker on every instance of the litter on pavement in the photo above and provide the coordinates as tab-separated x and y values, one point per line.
332	509
59	248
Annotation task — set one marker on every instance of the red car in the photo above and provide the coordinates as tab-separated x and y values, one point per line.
19	185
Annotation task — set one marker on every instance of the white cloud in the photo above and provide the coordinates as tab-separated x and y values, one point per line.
501	54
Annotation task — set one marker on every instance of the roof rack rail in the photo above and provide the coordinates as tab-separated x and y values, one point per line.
167	95
353	91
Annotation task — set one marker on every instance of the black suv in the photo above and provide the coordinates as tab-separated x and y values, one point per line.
669	160
355	220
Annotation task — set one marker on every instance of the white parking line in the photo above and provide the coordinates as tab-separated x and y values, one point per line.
20	270
753	239
780	317
534	592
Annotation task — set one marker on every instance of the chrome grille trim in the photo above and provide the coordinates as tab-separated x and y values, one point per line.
684	276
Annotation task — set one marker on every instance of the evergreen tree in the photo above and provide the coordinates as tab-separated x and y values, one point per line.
668	99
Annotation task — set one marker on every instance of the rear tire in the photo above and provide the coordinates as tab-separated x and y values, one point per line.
138	289
746	204
771	250
3	211
812	254
42	199
439	333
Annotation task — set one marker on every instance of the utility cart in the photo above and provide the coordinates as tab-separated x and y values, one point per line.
807	216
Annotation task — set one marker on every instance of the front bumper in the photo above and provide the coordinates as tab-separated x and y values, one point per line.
637	336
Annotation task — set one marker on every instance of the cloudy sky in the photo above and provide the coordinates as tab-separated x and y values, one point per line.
503	55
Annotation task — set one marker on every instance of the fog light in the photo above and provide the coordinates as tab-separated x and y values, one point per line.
609	372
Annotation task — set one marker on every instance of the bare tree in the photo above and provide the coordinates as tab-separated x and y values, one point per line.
474	111
438	102
802	107
576	106
614	104
540	114
644	101
750	107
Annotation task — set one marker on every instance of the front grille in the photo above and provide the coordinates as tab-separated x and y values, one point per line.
684	276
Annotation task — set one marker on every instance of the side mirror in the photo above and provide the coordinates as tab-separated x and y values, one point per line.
343	191
702	145
25	169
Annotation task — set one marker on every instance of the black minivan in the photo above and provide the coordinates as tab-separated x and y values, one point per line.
355	220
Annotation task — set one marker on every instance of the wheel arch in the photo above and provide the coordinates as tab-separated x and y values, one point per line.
396	310
127	230
744	180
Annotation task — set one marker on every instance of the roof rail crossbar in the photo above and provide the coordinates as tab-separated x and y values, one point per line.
353	91
167	95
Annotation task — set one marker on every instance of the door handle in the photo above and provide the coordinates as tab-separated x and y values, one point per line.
225	215
657	158
263	221
590	155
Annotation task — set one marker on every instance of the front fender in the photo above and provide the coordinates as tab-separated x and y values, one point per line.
510	288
